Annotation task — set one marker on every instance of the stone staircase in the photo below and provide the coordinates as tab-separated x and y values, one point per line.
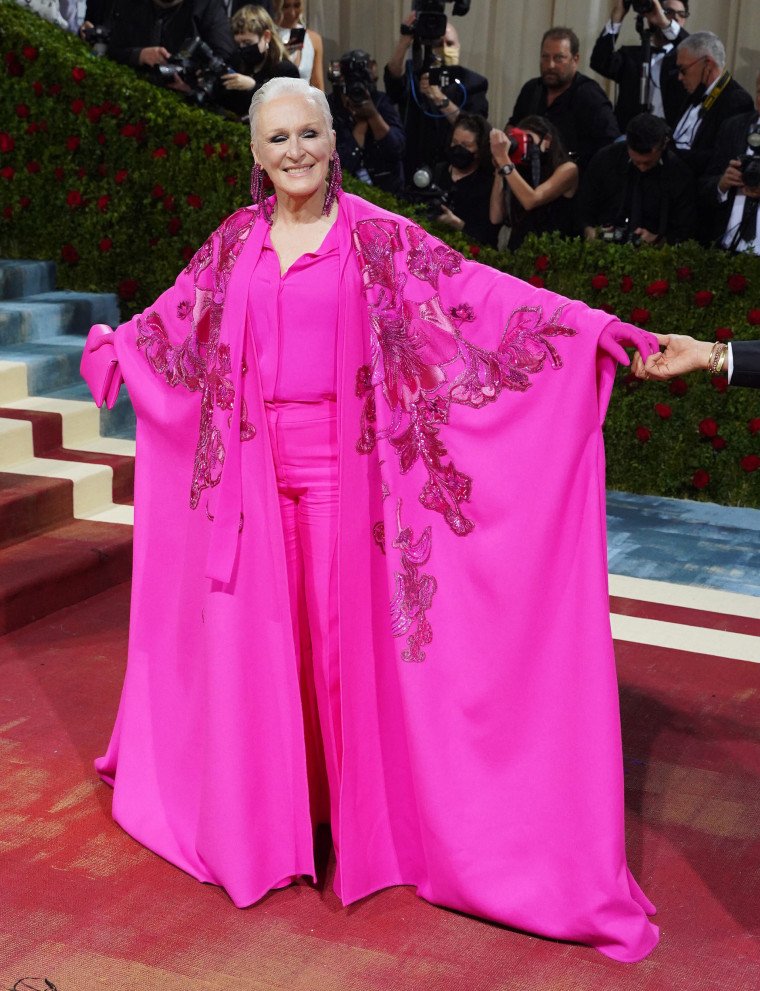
66	468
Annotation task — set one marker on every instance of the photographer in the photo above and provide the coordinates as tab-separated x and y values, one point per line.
144	34
429	110
369	134
640	190
260	56
665	24
731	188
534	194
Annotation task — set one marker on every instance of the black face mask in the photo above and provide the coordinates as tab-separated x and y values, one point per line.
251	59
460	157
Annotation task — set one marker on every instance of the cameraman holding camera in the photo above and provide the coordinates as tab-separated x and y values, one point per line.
369	135
665	26
428	109
731	188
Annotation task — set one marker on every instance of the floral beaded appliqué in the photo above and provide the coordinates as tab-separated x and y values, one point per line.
200	363
422	364
414	591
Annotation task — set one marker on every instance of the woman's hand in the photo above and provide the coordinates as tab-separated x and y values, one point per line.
499	141
450	219
236	80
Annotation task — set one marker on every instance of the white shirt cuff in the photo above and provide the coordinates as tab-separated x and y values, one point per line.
730	362
611	27
722	197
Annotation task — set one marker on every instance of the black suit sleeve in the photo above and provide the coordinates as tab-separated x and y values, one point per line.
746	357
605	59
596	122
214	28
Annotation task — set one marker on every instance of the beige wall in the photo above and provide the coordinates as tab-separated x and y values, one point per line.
501	38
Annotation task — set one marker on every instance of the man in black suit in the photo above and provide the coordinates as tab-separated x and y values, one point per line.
666	27
715	97
683	354
428	112
574	103
730	190
640	187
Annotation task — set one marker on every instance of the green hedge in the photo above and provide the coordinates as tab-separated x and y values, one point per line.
120	182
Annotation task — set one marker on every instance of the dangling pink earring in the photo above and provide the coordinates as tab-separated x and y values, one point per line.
258	196
333	184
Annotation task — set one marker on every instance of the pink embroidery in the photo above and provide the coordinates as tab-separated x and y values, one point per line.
201	363
423	364
414	592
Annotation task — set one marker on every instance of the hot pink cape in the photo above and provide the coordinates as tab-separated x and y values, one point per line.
481	735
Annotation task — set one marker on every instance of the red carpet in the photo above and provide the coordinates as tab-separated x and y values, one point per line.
87	908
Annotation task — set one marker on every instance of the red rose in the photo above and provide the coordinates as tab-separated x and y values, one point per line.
750	462
6	142
72	143
724	334
600	281
208	150
174	226
708	428
703	298
8	173
153	242
719	383
128	288
78	74
231	180
181	139
22	110
81	173
662	410
15	68
69	254
103	202
679	387
718	443
223	150
754	425
33	128
157	192
194	201
129	131
105	245
121	176
24	202
43	126
94	114
474	250
658	289
103	170
58	173
55	89
101	138
737	282
77	106
700	479
642	434
32	167
159	153
607	308
536	281
640	315
169	204
631	383
684	274
753	317
187	253
7	213
542	263
38	88
74	199
626	283
29	53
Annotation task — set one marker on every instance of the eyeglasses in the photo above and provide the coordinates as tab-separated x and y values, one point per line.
672	14
683	69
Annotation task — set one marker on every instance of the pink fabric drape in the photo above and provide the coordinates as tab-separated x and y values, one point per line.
481	752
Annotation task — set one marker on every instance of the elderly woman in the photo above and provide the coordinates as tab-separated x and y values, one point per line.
370	577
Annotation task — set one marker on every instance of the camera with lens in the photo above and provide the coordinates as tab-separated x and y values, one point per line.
97	36
523	150
424	192
351	75
750	166
197	66
620	235
640	6
430	23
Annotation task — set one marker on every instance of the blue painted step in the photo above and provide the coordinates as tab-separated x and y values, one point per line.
25	277
46	315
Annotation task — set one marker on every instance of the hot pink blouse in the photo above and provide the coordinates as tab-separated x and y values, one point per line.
296	342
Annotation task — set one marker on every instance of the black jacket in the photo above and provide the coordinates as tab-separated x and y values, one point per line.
615	193
138	24
732	101
470	200
582	114
238	100
382	159
746	356
623	65
428	136
730	143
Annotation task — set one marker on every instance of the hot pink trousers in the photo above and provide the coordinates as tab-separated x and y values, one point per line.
304	439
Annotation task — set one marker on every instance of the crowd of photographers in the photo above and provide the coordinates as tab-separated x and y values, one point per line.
677	157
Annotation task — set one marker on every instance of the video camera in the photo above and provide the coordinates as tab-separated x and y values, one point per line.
424	192
351	75
197	66
750	162
428	29
639	6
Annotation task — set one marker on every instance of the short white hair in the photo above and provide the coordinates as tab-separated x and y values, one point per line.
705	44
287	86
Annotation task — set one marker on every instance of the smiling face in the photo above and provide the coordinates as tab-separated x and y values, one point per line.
293	144
290	13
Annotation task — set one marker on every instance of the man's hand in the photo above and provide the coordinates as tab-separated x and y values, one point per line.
618	12
153	56
682	354
732	176
647	236
236	80
365	110
450	219
434	93
657	16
